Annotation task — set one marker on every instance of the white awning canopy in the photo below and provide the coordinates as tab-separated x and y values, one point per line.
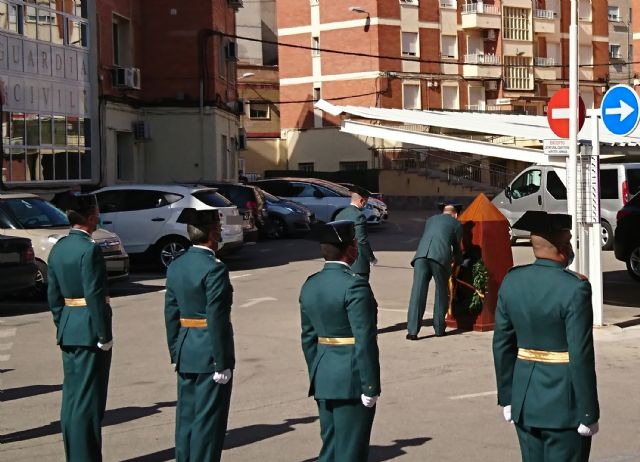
520	126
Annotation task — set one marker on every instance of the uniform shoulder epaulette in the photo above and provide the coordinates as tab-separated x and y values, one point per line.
580	276
514	268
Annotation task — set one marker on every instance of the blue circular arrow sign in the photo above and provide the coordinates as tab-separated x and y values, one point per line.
620	110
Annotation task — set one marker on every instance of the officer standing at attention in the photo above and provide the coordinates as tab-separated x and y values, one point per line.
200	337
77	295
339	340
439	245
359	198
543	348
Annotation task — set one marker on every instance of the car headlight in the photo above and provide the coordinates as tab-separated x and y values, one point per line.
53	238
290	209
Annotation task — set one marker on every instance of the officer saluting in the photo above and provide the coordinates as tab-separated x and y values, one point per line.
77	295
366	258
543	348
200	337
439	245
339	328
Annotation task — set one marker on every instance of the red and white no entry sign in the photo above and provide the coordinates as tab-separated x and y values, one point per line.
558	113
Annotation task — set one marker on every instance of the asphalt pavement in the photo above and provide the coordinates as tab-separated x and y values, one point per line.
438	400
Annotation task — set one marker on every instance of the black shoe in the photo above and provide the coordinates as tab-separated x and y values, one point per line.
412	337
441	335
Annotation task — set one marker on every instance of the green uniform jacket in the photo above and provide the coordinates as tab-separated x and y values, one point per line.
77	270
198	287
337	303
542	306
365	254
440	240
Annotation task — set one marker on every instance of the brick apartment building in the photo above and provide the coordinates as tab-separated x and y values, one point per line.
496	55
167	89
100	92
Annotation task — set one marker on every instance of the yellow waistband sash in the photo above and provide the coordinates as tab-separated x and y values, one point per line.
197	323
79	302
336	340
553	357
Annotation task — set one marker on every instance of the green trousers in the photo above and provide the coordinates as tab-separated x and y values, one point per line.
345	428
552	445
201	417
423	270
84	399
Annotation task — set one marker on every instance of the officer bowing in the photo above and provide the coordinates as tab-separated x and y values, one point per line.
543	348
200	337
438	248
77	295
339	327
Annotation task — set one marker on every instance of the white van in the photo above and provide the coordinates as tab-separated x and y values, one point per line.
543	187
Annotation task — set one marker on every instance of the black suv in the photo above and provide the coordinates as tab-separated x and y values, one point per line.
248	199
626	244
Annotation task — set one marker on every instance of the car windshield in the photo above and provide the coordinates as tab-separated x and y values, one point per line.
212	198
34	213
270	197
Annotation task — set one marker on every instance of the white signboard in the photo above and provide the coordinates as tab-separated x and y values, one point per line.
558	147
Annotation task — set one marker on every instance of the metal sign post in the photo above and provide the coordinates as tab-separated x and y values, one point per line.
573	128
593	259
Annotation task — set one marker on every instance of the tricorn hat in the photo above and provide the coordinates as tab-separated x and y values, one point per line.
442	205
80	203
340	233
364	193
195	217
539	222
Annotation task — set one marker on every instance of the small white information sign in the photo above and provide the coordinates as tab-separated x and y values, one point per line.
558	147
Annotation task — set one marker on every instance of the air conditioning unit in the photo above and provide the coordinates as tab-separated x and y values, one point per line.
490	35
141	130
491	85
237	106
231	51
242	139
127	77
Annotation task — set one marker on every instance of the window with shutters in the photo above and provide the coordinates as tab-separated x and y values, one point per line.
450	97
449	46
518	73
411	96
409	44
517	23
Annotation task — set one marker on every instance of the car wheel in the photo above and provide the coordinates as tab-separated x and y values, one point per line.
170	248
278	228
633	263
607	236
39	290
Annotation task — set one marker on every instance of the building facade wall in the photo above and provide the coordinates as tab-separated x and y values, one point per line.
48	81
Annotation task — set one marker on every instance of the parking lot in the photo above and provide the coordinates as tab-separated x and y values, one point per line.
438	400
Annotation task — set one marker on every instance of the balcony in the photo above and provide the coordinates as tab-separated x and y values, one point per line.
481	16
481	66
546	69
545	22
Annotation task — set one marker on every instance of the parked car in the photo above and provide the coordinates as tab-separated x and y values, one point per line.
248	199
324	198
144	216
627	242
543	187
27	215
286	217
17	264
375	199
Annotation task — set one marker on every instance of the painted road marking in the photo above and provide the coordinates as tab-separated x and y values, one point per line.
475	395
4	333
5	346
240	276
256	301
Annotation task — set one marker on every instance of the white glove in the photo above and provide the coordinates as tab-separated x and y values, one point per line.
174	365
374	262
589	430
106	346
506	412
368	401
222	377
